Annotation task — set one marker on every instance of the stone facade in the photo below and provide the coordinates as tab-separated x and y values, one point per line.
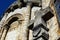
30	23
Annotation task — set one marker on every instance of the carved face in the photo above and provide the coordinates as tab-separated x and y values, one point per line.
45	3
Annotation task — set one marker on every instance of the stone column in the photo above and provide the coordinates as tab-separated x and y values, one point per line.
23	27
2	29
4	32
30	35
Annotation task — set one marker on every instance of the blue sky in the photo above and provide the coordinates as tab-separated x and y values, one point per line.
58	8
4	4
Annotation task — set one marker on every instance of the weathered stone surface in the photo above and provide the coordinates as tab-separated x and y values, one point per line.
53	27
45	3
18	29
39	20
34	1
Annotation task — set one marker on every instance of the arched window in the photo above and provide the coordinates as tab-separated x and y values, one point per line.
12	20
